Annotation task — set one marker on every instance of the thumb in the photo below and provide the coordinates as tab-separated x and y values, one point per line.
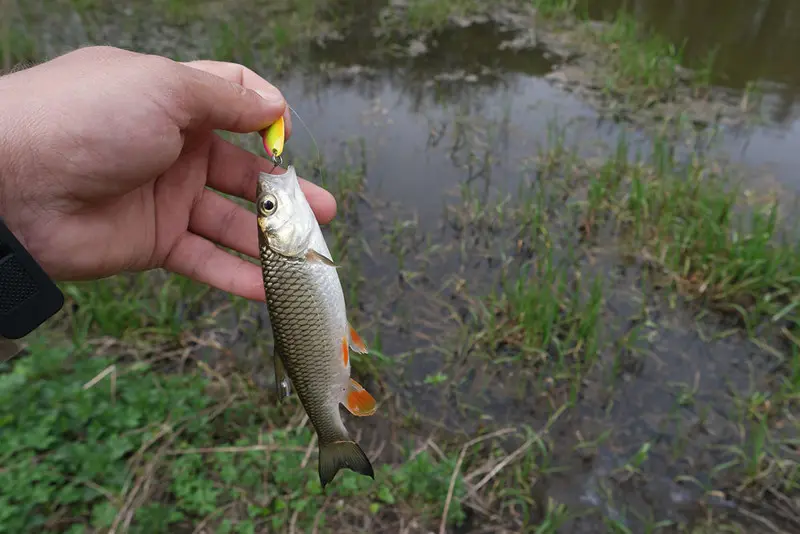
228	96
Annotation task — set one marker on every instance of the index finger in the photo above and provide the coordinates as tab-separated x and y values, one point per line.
236	73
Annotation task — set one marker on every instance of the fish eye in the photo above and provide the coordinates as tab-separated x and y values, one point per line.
267	204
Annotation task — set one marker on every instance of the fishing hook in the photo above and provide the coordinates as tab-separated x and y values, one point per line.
277	160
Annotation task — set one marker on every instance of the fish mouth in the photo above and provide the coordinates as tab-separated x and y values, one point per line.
287	173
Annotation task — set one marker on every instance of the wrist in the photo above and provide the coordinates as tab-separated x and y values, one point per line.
10	162
7	179
28	297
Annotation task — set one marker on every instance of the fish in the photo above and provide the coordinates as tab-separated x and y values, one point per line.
313	337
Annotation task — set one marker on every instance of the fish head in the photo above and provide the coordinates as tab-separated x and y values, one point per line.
285	219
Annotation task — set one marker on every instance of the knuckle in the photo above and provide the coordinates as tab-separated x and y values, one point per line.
102	54
98	50
238	90
161	66
165	80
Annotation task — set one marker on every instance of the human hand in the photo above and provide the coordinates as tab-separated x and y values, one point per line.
105	156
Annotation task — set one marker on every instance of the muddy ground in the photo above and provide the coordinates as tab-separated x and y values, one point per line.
579	290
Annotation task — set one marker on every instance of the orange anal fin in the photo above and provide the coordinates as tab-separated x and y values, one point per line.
358	401
345	352
356	343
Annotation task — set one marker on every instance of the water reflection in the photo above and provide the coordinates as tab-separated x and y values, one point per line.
419	144
476	49
465	83
749	39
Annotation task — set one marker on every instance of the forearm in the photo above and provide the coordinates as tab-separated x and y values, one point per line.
9	163
27	295
18	126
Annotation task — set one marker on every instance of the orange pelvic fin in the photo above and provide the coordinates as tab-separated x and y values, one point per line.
356	343
358	400
283	384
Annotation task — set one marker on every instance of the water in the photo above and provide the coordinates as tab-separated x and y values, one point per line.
400	99
750	41
471	71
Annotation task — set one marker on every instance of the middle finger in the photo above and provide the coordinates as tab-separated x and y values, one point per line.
224	222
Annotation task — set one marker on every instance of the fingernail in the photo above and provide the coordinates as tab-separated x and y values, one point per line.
273	97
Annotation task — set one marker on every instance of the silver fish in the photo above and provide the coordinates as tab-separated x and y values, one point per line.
313	337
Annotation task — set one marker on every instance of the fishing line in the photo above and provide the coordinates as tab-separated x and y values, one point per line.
311	135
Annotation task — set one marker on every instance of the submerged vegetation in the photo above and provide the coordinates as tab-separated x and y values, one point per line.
586	340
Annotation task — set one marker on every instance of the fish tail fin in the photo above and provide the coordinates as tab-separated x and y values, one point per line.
337	455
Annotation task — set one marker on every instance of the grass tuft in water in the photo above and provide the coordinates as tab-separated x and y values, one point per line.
638	59
548	314
693	223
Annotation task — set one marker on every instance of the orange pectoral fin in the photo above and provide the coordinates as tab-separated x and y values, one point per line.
356	343
358	400
315	257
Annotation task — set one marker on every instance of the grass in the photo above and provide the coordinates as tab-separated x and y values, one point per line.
639	60
16	45
543	315
634	66
282	41
627	66
687	220
558	8
414	16
427	15
143	451
700	244
132	306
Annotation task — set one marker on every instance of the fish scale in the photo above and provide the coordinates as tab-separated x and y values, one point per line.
299	330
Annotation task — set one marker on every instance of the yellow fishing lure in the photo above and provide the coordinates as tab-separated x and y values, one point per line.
274	137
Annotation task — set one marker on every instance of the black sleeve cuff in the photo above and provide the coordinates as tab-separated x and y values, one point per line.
28	297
